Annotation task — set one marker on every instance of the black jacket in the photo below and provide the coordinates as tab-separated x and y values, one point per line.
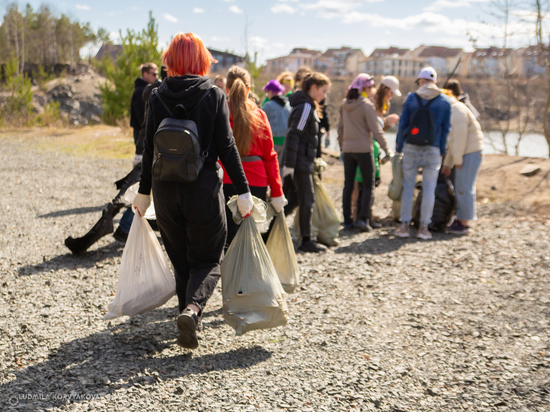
280	100
300	149
212	121
145	97
137	106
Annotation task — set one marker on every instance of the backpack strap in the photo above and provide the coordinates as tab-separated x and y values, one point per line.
156	93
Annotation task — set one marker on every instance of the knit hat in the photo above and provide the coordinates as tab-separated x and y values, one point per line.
362	81
273	86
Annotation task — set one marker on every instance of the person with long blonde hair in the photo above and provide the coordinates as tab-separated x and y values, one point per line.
191	215
255	145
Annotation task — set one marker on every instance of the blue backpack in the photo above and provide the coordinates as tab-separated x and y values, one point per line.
421	130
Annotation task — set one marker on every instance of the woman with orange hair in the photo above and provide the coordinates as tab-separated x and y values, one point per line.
191	216
255	144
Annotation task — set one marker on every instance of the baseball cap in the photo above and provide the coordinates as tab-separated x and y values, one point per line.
393	84
428	73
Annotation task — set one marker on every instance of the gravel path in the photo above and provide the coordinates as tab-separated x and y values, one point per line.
379	324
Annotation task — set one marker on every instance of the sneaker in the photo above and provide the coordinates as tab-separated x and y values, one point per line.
458	228
348	226
120	235
311	246
424	233
403	231
187	325
363	226
375	225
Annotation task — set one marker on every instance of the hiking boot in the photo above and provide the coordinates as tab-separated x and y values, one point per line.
424	233
458	228
187	325
311	246
403	231
363	226
120	235
375	225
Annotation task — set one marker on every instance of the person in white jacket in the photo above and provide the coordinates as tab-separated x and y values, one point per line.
465	154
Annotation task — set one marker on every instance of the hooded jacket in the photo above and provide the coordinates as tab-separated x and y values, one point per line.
466	135
441	109
137	106
212	122
278	110
301	138
357	124
145	97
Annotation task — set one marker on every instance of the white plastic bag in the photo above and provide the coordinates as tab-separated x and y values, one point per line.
145	281
131	194
281	250
253	297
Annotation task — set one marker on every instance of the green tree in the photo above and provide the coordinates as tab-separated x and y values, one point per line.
137	48
17	108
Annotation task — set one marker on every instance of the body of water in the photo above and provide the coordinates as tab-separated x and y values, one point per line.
533	145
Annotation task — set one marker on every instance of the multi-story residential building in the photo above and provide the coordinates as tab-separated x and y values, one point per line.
225	61
442	59
529	62
492	61
392	61
344	61
296	59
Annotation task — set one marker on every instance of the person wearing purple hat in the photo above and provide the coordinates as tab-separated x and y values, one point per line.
277	109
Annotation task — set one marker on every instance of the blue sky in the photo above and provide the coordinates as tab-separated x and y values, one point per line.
277	26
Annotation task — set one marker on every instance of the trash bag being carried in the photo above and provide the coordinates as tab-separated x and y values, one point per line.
325	222
145	281
281	250
253	297
131	194
444	204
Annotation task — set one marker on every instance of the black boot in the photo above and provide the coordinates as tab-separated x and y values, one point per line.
103	227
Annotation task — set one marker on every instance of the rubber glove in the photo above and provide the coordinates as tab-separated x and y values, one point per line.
288	171
245	204
137	160
142	203
278	203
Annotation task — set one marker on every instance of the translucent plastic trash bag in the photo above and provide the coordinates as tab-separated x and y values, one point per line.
253	297
281	250
131	194
145	281
325	224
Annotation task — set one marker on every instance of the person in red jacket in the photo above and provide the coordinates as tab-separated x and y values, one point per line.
255	145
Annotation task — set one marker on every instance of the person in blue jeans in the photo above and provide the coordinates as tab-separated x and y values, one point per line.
428	157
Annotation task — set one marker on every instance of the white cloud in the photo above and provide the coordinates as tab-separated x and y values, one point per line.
219	39
198	10
283	8
235	9
335	8
169	17
82	7
447	4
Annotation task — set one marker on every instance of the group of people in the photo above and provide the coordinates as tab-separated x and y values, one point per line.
269	149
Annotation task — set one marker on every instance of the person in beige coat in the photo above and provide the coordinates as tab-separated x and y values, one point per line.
357	127
465	153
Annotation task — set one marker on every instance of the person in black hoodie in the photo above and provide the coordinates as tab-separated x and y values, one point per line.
191	216
300	151
149	74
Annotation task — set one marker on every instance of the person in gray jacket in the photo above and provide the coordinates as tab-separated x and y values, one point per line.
277	109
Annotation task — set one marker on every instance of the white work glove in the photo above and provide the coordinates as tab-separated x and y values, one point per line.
137	160
278	203
288	171
245	204
142	203
320	165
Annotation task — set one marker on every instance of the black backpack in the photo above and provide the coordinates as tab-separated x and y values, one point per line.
178	156
421	130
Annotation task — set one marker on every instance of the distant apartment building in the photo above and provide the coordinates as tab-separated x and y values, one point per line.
442	59
297	58
392	61
530	61
491	61
225	61
344	61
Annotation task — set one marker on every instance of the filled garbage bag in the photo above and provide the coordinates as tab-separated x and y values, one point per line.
281	250
131	194
145	281
253	297
444	204
396	185
325	224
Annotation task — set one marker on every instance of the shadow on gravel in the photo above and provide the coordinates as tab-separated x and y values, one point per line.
76	211
127	355
69	261
384	244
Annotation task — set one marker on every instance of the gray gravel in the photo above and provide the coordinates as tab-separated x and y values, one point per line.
379	323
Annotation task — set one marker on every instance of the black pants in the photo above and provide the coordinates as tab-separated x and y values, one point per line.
228	191
299	192
191	220
365	161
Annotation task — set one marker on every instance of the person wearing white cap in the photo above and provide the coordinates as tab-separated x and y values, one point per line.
422	138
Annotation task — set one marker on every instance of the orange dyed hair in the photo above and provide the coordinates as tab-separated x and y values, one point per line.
187	54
